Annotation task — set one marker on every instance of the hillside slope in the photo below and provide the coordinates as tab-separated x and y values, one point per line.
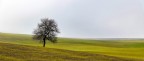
14	52
130	49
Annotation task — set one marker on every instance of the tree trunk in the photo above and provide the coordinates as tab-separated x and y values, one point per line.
44	41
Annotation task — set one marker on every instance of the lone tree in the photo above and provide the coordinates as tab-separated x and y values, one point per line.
46	30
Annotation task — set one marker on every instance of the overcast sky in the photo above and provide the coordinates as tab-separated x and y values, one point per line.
76	18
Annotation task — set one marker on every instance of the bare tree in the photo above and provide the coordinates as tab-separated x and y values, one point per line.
46	30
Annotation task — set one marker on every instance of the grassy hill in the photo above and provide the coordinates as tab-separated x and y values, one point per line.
69	49
15	52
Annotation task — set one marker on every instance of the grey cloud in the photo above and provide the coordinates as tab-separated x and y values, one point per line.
86	18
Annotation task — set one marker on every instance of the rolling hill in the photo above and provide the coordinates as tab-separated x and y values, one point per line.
21	47
15	52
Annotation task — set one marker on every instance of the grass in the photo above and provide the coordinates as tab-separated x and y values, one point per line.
15	52
104	50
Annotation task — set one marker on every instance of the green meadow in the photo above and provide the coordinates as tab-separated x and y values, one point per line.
21	47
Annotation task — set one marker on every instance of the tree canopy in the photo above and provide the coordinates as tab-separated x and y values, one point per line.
46	30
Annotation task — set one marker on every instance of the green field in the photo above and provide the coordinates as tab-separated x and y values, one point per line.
22	48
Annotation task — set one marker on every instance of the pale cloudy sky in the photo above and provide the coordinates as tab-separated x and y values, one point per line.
76	18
